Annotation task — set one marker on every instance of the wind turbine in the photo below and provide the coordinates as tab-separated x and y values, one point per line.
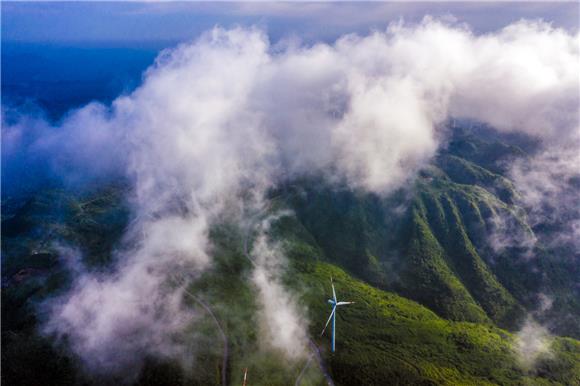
334	303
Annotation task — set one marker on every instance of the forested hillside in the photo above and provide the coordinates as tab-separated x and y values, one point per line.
441	272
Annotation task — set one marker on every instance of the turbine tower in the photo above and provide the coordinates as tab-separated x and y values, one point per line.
334	303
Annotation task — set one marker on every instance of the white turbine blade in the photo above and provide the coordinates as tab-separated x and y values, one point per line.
343	303
328	321
333	291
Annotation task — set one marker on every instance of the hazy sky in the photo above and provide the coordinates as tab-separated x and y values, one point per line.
159	24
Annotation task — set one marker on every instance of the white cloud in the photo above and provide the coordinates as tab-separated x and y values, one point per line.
283	323
524	78
548	184
532	342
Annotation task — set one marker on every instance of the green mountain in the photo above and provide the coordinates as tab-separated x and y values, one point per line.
438	302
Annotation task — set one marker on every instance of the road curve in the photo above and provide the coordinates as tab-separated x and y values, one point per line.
208	309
